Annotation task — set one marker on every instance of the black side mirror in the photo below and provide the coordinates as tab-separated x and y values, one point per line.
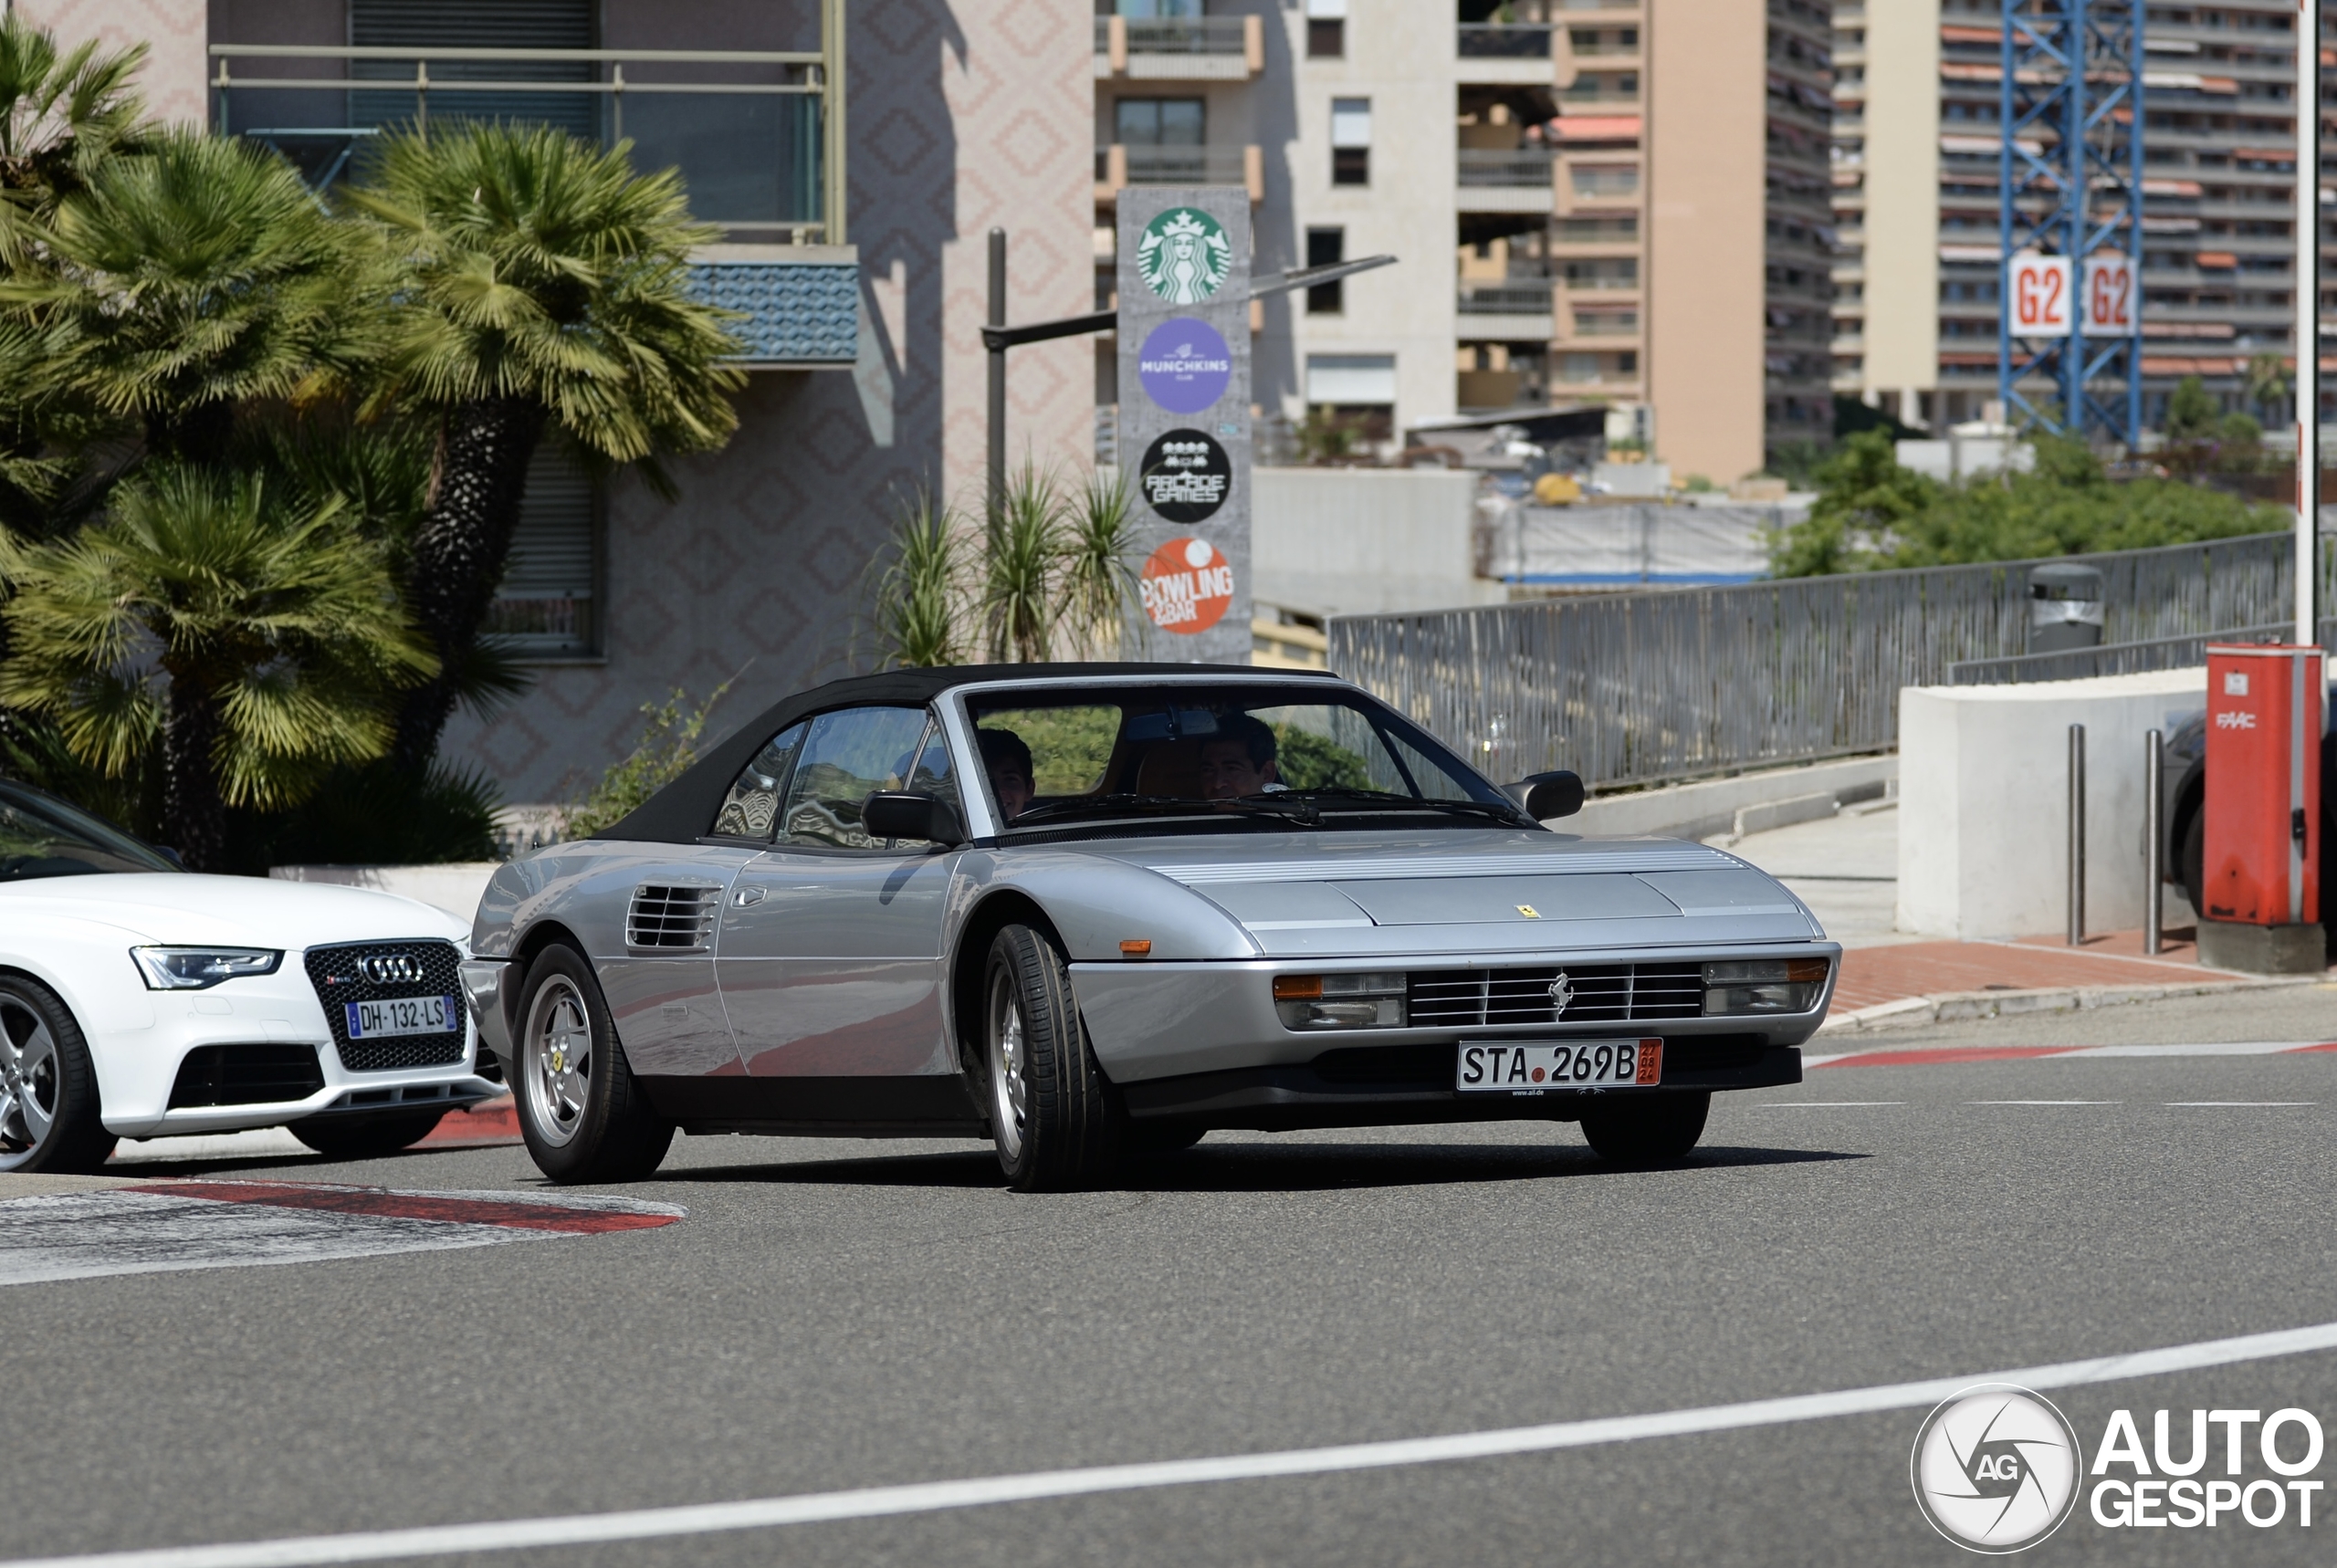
1549	795
901	814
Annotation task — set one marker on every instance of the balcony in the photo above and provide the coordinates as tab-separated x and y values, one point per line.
1504	180
1122	165
1506	53
1180	48
1516	309
752	132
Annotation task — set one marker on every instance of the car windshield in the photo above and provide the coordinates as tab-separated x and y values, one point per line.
1170	758
44	836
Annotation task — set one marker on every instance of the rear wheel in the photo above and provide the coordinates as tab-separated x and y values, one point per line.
582	1111
365	1137
48	1088
1648	1129
1050	1108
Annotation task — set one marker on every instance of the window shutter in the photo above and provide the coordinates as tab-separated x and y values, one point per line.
549	601
424	24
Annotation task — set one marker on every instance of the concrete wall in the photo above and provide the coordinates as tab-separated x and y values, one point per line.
1707	119
1346	541
1984	786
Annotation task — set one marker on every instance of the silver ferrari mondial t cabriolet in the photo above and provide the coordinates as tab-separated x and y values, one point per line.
1086	910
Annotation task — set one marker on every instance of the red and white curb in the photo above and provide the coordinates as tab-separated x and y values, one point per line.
1949	1055
170	1226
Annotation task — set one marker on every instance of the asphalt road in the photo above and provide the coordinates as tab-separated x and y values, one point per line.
837	1315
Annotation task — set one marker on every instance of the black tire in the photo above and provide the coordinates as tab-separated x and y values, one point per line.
1061	1130
585	1121
365	1137
50	1114
1650	1129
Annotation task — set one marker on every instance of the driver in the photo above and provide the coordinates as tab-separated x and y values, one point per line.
1007	760
1239	760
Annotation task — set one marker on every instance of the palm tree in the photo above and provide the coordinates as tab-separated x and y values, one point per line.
1098	583
546	287
62	114
198	278
261	642
1023	550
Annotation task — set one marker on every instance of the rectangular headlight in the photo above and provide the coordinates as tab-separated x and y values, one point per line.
1340	1001
198	968
1763	986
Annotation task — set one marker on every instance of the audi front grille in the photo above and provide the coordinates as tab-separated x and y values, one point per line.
381	972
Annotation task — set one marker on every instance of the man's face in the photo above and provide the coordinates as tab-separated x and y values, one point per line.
1228	774
1010	788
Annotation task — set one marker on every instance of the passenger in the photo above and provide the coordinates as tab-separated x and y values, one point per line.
1239	760
1008	762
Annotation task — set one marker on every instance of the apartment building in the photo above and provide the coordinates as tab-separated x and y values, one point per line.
1915	171
858	259
1520	160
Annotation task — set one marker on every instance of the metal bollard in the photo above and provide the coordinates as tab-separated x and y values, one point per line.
2077	835
2153	838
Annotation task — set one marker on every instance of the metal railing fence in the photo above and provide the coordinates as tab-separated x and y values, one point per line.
1503	40
1525	169
1639	689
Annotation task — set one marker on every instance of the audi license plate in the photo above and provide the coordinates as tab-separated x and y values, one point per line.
1522	1067
406	1015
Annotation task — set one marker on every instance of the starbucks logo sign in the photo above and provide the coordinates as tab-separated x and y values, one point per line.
1184	255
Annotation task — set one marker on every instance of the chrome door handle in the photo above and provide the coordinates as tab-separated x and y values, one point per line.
748	895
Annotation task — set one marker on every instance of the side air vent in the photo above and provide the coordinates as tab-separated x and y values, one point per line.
663	918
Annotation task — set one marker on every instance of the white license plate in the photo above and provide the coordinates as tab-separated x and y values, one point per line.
407	1015
1523	1067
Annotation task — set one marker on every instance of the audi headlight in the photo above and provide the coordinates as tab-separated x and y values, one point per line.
1340	1001
1763	986
197	968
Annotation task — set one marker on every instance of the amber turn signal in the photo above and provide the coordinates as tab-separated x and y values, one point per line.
1806	970
1291	987
1136	947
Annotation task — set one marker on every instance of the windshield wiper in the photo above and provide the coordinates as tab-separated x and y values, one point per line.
1332	795
1084	805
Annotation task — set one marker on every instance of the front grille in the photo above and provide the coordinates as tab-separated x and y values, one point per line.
245	1075
338	975
1593	993
674	918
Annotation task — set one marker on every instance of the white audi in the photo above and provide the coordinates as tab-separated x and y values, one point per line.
141	1000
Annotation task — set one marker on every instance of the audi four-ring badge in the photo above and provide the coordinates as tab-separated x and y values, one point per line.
1093	911
141	1001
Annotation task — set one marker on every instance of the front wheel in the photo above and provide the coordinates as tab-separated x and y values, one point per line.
1648	1129
48	1088
582	1111
1051	1112
365	1137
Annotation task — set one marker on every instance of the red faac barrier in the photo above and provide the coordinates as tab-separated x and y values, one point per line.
2261	881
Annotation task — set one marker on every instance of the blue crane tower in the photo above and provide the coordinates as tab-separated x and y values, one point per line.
2070	185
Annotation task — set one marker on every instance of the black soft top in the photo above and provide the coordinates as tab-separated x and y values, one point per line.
683	811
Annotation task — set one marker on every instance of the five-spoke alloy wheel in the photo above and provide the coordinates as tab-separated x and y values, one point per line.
582	1111
48	1091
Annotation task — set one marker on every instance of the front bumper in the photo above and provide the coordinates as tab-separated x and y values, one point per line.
1368	1086
1179	1020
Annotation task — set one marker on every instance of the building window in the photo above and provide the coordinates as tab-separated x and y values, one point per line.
1326	29
549	606
1593	181
1350	141
1326	247
1159	121
1356	392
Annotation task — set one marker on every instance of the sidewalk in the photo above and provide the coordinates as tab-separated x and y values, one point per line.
1846	869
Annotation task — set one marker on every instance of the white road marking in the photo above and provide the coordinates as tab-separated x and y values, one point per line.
2044	1101
2237	1104
933	1497
1881	1054
236	1224
1821	1104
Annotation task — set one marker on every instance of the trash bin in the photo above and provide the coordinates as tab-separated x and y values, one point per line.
2064	607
